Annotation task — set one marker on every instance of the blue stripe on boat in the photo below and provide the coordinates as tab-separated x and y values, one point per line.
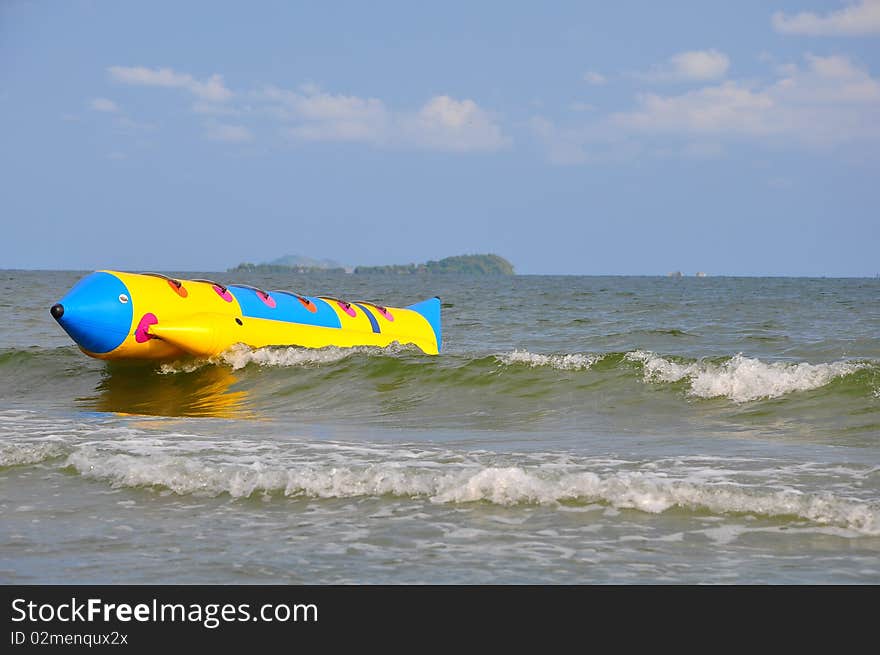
287	308
370	316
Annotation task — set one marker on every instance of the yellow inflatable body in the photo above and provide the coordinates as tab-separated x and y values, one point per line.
114	315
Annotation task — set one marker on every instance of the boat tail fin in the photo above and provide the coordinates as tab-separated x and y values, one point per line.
430	310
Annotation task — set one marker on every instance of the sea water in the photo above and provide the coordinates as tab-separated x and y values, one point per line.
573	430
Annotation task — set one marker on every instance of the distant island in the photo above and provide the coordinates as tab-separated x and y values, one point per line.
459	264
293	264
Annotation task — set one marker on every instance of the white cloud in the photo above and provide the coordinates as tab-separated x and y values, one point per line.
443	123
320	116
312	114
727	106
592	77
103	104
823	102
827	102
690	66
210	90
700	64
856	19
229	133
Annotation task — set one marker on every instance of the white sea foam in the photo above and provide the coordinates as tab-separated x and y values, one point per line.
565	362
502	485
240	355
18	454
182	366
741	378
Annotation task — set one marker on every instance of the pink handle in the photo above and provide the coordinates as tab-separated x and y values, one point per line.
142	334
223	293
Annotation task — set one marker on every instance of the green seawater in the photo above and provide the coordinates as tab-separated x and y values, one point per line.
574	429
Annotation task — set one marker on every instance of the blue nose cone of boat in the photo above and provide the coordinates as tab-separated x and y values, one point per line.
96	312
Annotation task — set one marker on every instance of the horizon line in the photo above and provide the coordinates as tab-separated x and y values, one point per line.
651	275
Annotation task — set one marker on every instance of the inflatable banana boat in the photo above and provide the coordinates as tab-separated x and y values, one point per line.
113	315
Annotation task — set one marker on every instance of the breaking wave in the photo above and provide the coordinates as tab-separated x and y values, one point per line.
742	379
739	378
21	454
567	362
240	356
456	483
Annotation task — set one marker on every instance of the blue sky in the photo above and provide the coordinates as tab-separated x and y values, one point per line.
575	138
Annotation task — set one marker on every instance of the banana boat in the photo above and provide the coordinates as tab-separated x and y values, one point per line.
114	315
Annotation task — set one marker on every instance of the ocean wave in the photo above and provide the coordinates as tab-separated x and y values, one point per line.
23	454
239	356
738	378
564	362
511	485
742	379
